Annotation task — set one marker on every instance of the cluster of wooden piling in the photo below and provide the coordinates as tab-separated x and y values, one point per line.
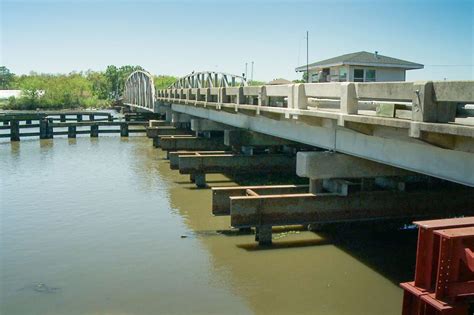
341	188
47	122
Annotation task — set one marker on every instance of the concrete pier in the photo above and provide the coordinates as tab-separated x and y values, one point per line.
192	144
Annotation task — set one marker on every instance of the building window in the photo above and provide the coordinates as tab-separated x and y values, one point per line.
358	75
370	76
342	74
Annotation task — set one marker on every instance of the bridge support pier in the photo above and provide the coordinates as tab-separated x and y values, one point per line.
263	235
236	164
307	208
173	156
191	143
154	132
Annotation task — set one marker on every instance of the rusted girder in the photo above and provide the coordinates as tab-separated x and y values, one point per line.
174	156
221	201
237	163
276	210
153	132
192	144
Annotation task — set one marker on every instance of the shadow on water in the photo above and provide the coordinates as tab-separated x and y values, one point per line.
381	246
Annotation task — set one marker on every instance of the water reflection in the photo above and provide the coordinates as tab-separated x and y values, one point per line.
110	224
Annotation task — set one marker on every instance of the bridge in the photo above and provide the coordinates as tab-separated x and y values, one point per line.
371	151
424	127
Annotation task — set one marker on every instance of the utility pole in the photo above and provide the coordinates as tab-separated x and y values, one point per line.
246	70
307	56
251	73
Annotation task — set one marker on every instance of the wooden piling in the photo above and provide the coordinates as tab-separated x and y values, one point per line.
91	117
124	129
79	118
71	132
62	118
43	129
94	131
15	130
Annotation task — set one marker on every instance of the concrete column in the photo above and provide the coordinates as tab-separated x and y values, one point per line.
299	100
262	97
349	103
324	165
14	130
124	129
263	234
71	131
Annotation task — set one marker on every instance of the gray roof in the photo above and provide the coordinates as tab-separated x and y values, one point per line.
364	58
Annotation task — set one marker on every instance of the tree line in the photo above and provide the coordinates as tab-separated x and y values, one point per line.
84	89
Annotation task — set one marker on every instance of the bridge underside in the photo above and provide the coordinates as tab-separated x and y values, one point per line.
385	144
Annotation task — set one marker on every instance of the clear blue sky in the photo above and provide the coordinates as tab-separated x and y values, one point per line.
177	37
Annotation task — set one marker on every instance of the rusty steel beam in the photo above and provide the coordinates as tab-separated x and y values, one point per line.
153	132
174	156
276	210
237	164
221	201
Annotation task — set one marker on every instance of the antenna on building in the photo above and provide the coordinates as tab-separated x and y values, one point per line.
307	56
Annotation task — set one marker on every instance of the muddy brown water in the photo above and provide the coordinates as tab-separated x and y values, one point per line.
117	232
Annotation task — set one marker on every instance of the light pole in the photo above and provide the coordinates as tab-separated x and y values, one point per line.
307	56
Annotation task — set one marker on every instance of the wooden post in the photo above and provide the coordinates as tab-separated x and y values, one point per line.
50	129
14	130
91	117
5	123
43	128
94	131
28	122
124	129
62	118
71	131
79	118
110	118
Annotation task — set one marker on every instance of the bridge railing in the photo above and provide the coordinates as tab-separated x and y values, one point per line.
427	101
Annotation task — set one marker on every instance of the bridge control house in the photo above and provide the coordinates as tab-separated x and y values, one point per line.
360	66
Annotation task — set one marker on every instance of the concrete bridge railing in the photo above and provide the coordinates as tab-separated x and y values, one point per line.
437	102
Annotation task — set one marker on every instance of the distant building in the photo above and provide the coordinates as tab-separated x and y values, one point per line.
359	67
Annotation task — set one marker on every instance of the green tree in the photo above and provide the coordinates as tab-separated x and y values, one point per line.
6	78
